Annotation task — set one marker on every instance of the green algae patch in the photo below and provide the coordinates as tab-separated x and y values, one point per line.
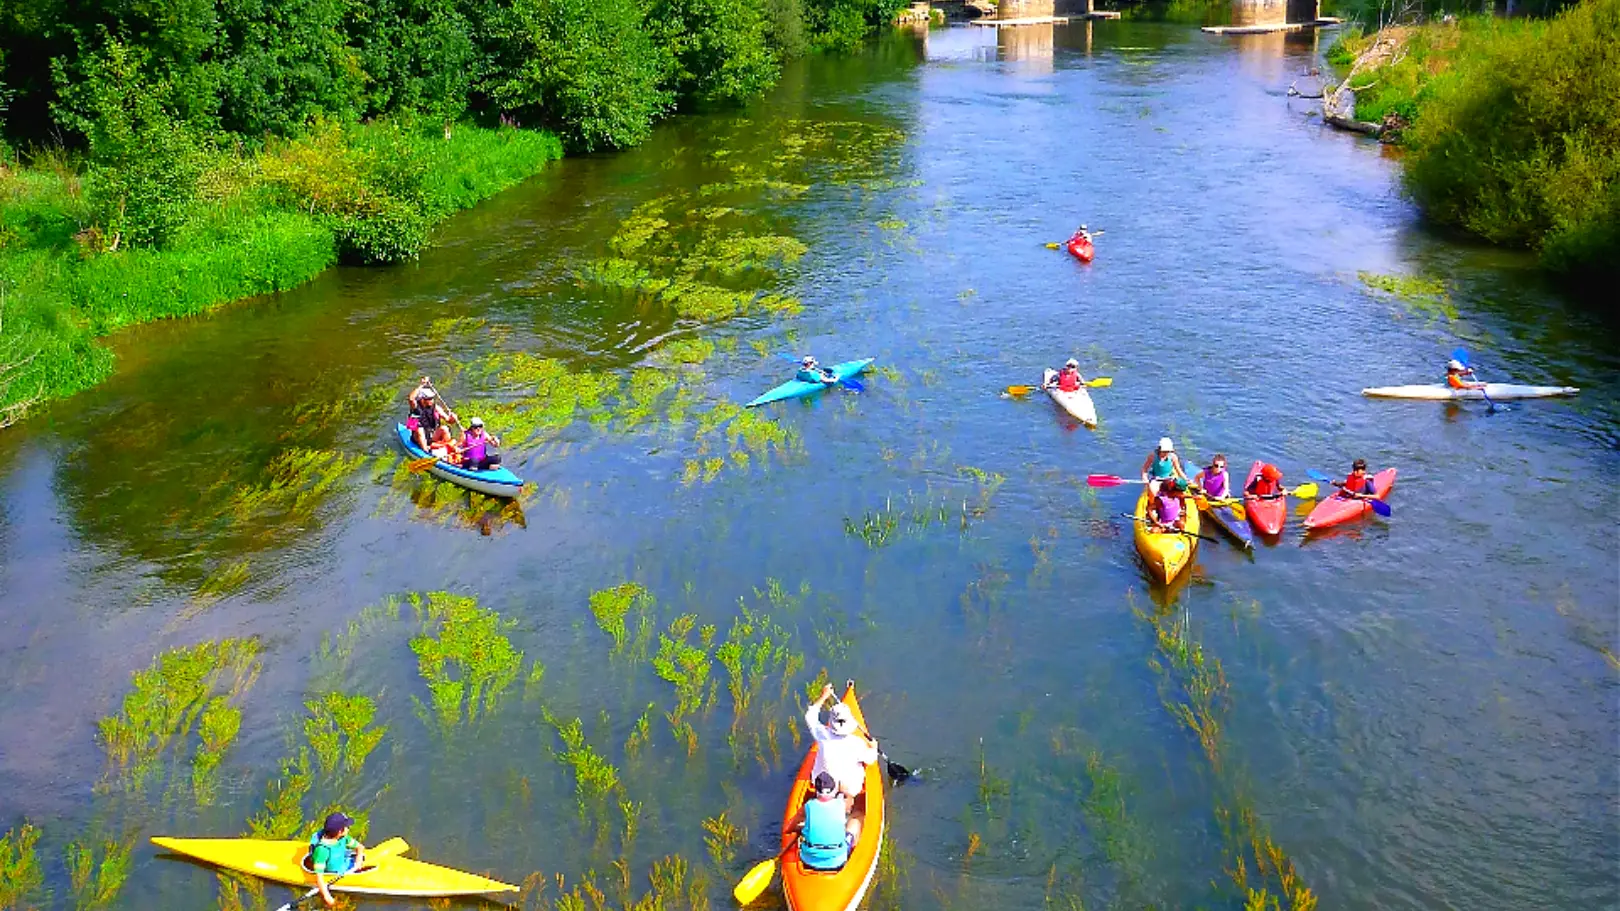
1426	297
165	699
685	665
690	351
642	395
97	882
469	663
217	729
297	482
611	606
595	779
282	815
539	395
21	876
339	731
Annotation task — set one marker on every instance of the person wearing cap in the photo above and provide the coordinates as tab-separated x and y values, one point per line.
1069	378
812	372
475	447
1455	371
1357	483
333	852
1081	233
827	829
1168	508
1161	465
429	415
841	750
1268	483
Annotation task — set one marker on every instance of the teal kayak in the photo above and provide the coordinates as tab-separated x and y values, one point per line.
793	389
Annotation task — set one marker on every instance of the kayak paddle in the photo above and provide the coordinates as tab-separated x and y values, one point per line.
417	466
1460	355
393	847
1110	480
1060	244
759	876
1177	531
1378	505
1101	382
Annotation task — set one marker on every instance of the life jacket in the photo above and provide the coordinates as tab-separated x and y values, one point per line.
1169	509
822	841
340	849
1215	484
1069	380
1164	467
427	414
1364	486
475	446
1455	380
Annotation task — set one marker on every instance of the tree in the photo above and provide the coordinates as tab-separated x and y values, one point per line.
720	48
586	68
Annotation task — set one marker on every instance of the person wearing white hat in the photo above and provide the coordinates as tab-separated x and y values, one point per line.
1069	378
842	750
1163	464
1455	371
812	372
475	447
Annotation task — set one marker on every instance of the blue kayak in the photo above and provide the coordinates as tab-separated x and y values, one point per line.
1234	523
794	389
495	482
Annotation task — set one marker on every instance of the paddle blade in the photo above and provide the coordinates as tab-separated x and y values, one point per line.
852	384
1460	355
898	773
1019	390
1380	507
1305	491
393	847
1053	246
1101	382
1241	513
755	881
418	466
1104	480
1316	475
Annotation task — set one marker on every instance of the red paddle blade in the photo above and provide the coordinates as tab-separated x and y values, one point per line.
1104	480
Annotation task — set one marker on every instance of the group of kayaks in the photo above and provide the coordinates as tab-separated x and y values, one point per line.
1168	552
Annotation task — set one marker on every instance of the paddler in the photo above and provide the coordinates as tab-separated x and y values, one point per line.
812	372
1214	480
1162	465
1455	371
827	829
1069	378
843	752
1267	484
333	852
1167	510
475	447
1081	234
429	415
1357	484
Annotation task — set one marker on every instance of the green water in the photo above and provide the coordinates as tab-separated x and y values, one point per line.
1416	712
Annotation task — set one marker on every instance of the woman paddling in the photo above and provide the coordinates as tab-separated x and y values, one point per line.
1213	480
1163	465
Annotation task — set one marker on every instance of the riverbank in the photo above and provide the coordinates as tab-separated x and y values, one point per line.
260	223
1511	127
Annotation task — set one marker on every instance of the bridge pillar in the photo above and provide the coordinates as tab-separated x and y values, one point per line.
1024	9
1259	12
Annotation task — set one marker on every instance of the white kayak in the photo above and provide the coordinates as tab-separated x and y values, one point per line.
1498	392
1078	403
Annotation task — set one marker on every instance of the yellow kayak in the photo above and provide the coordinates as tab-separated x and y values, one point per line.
283	862
1166	553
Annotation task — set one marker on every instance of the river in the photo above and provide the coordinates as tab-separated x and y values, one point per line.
1416	712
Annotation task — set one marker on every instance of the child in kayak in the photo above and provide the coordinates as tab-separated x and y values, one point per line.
1455	371
827	829
1163	464
1357	483
1268	483
1166	509
812	372
443	446
1213	480
333	852
1069	379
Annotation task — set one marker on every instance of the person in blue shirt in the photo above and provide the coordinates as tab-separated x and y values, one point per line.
827	829
812	372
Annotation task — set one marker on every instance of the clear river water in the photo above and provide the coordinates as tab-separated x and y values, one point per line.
1412	712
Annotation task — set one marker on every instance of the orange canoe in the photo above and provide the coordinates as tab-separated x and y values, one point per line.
839	890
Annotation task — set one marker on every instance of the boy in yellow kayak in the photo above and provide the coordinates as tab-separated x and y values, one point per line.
333	852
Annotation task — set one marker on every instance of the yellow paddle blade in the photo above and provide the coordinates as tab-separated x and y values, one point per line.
1240	512
1053	246
390	848
1100	382
420	465
1019	390
1305	491
755	881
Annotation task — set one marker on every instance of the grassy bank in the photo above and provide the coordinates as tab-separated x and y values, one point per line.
261	222
1511	126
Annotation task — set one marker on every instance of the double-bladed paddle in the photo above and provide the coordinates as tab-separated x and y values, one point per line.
1056	245
1378	505
1460	355
1166	530
393	847
1101	382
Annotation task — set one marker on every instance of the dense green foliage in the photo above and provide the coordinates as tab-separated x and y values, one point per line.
1512	129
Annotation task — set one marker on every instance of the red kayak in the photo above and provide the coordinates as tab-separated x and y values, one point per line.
1081	248
1336	510
1266	515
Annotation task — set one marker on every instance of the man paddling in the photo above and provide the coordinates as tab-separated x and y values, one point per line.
842	752
332	853
812	372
